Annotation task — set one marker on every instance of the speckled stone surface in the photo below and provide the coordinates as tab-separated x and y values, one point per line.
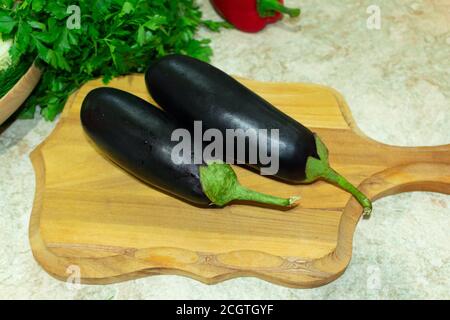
397	83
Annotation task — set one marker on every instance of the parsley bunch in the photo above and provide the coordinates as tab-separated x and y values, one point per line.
108	38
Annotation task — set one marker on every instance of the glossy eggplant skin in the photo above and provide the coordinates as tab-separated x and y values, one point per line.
137	136
190	90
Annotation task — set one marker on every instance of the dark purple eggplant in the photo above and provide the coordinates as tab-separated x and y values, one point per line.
137	136
191	90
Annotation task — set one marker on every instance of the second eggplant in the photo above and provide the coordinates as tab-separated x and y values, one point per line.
190	90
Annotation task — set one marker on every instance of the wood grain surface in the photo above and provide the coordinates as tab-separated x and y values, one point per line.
91	214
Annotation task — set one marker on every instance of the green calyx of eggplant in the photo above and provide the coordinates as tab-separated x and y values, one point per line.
320	169
221	186
268	8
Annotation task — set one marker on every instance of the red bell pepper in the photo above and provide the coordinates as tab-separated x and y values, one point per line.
252	15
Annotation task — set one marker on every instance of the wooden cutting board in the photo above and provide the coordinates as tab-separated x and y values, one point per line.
90	214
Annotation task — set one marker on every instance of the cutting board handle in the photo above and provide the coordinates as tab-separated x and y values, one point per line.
420	176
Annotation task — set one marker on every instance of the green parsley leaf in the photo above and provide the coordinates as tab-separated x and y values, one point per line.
114	38
6	23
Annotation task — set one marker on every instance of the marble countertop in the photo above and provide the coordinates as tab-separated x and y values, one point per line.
396	81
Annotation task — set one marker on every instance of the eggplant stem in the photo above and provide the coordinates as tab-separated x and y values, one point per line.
319	168
243	193
332	176
268	8
221	186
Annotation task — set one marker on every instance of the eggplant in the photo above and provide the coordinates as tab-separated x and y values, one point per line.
191	90
137	136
